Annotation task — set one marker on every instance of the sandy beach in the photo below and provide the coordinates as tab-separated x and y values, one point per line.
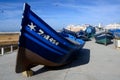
94	62
8	38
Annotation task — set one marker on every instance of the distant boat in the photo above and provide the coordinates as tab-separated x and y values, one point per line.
90	31
66	31
79	35
104	38
40	44
115	32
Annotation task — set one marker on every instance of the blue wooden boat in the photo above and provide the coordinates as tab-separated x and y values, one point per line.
82	35
40	44
66	31
104	38
115	32
90	31
79	35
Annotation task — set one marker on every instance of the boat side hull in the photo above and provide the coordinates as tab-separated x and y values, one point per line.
103	39
26	59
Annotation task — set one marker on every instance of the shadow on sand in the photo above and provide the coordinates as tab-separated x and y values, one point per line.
81	59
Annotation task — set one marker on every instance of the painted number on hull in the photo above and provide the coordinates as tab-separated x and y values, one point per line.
42	33
47	37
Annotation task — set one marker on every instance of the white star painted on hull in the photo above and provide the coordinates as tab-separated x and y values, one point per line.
32	27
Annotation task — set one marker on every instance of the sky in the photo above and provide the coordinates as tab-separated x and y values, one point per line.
60	13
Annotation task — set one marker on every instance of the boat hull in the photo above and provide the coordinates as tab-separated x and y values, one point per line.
27	59
103	38
79	35
104	41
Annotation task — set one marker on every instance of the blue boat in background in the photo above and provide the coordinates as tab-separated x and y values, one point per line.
40	44
79	35
90	31
66	31
115	32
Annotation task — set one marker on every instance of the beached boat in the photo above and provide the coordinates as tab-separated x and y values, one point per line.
79	35
40	44
104	38
90	31
115	32
66	31
84	35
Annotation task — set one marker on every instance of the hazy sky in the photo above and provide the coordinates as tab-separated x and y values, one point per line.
59	13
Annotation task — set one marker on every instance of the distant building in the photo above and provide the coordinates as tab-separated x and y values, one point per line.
77	28
113	26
